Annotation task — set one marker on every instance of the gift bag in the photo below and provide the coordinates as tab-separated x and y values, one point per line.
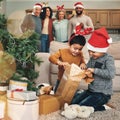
70	82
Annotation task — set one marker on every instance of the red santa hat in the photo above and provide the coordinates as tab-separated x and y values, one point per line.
78	4
99	41
37	5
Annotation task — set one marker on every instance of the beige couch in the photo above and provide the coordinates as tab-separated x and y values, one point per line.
48	71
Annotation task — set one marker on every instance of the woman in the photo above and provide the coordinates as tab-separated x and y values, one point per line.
47	28
60	25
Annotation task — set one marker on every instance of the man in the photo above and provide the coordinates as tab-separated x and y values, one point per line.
33	21
79	18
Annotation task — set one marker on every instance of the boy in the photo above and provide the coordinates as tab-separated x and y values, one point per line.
101	64
72	54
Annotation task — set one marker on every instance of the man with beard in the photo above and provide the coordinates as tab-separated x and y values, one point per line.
79	19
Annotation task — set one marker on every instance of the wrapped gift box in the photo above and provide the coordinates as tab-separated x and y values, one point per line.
17	85
21	95
50	103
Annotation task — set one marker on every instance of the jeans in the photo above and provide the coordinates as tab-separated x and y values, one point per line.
56	85
44	43
94	99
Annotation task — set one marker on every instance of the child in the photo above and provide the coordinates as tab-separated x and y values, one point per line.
101	64
72	54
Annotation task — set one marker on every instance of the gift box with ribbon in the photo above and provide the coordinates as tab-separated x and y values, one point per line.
20	94
17	85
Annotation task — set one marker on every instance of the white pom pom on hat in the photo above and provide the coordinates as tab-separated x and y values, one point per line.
37	5
78	4
99	41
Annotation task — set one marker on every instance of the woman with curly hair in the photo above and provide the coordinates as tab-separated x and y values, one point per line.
47	28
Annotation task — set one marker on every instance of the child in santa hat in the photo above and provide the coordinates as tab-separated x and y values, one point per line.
101	64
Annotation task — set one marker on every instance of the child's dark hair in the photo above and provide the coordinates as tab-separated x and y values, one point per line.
77	39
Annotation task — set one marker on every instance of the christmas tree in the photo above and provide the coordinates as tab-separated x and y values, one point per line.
23	49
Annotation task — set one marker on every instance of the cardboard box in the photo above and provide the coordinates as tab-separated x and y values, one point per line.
50	103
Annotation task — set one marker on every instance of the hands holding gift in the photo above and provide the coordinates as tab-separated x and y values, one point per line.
63	63
87	74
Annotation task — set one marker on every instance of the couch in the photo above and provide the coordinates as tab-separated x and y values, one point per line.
48	71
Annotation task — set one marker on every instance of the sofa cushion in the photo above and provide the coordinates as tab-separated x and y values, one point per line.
43	69
117	65
116	83
55	46
113	50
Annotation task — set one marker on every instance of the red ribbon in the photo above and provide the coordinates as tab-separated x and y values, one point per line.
60	7
18	90
78	31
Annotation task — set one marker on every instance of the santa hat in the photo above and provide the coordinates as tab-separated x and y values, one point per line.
37	5
78	4
99	41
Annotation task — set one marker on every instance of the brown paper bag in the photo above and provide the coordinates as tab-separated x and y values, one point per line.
70	82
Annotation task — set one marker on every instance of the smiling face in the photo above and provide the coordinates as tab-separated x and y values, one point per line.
61	15
37	11
75	49
95	55
79	10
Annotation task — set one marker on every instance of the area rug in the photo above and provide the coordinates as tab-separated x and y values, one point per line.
112	114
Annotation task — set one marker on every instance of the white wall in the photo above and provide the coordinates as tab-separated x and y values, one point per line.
15	9
16	5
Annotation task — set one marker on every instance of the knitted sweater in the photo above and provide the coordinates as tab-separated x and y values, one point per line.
86	20
103	74
65	55
31	22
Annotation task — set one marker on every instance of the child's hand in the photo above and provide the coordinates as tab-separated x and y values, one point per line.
63	63
83	66
91	69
